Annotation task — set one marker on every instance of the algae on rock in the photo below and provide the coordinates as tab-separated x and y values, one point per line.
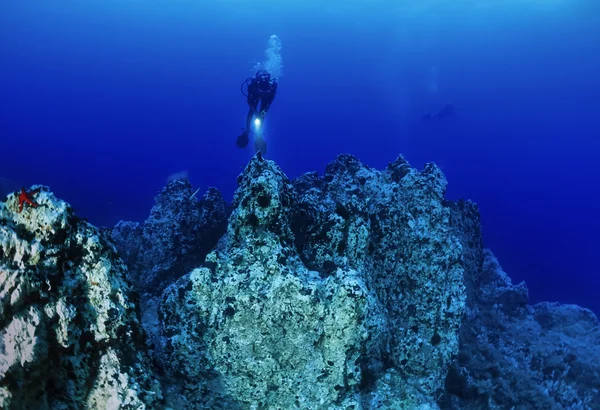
360	289
318	296
70	335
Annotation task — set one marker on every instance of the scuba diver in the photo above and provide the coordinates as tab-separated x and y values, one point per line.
261	88
446	112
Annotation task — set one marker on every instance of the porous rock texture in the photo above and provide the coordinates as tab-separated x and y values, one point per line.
342	292
176	237
517	356
394	227
70	333
359	289
173	240
513	355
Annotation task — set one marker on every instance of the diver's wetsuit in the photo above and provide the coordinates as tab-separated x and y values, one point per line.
261	88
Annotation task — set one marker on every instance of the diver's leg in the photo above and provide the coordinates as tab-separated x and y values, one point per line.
242	140
259	142
249	117
265	103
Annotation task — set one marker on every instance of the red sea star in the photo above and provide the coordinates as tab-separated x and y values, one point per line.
27	197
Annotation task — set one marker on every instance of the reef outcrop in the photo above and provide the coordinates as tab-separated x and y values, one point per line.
358	289
173	240
70	331
366	289
345	291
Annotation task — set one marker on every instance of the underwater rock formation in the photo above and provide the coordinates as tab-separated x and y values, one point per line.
514	355
254	328
70	334
394	228
365	289
340	292
360	289
175	239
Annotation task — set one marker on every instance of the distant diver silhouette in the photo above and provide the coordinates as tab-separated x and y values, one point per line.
261	88
447	111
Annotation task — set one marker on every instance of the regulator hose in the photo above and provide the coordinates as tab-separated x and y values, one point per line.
245	83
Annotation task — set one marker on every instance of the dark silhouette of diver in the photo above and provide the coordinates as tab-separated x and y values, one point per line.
261	88
447	111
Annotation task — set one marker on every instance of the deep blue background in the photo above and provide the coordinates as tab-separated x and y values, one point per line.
103	100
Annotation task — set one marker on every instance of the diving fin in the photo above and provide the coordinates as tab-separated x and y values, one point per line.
242	140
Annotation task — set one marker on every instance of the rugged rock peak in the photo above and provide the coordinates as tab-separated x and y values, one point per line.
262	203
70	335
179	232
343	164
175	238
397	232
255	328
398	168
347	291
169	234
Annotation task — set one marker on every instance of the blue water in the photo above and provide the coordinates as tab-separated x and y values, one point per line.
103	100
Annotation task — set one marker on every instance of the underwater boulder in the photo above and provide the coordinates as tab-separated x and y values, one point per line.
345	291
70	332
514	355
172	241
176	236
254	328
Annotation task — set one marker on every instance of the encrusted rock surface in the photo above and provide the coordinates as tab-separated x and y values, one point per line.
360	289
394	228
175	238
70	335
514	355
344	292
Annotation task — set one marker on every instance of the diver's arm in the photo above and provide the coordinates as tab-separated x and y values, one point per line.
267	100
264	107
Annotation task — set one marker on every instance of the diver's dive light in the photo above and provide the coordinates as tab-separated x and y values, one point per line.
257	122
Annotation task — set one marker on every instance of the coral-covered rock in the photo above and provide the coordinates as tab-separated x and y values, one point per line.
393	227
70	335
127	237
175	238
513	355
344	291
360	289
